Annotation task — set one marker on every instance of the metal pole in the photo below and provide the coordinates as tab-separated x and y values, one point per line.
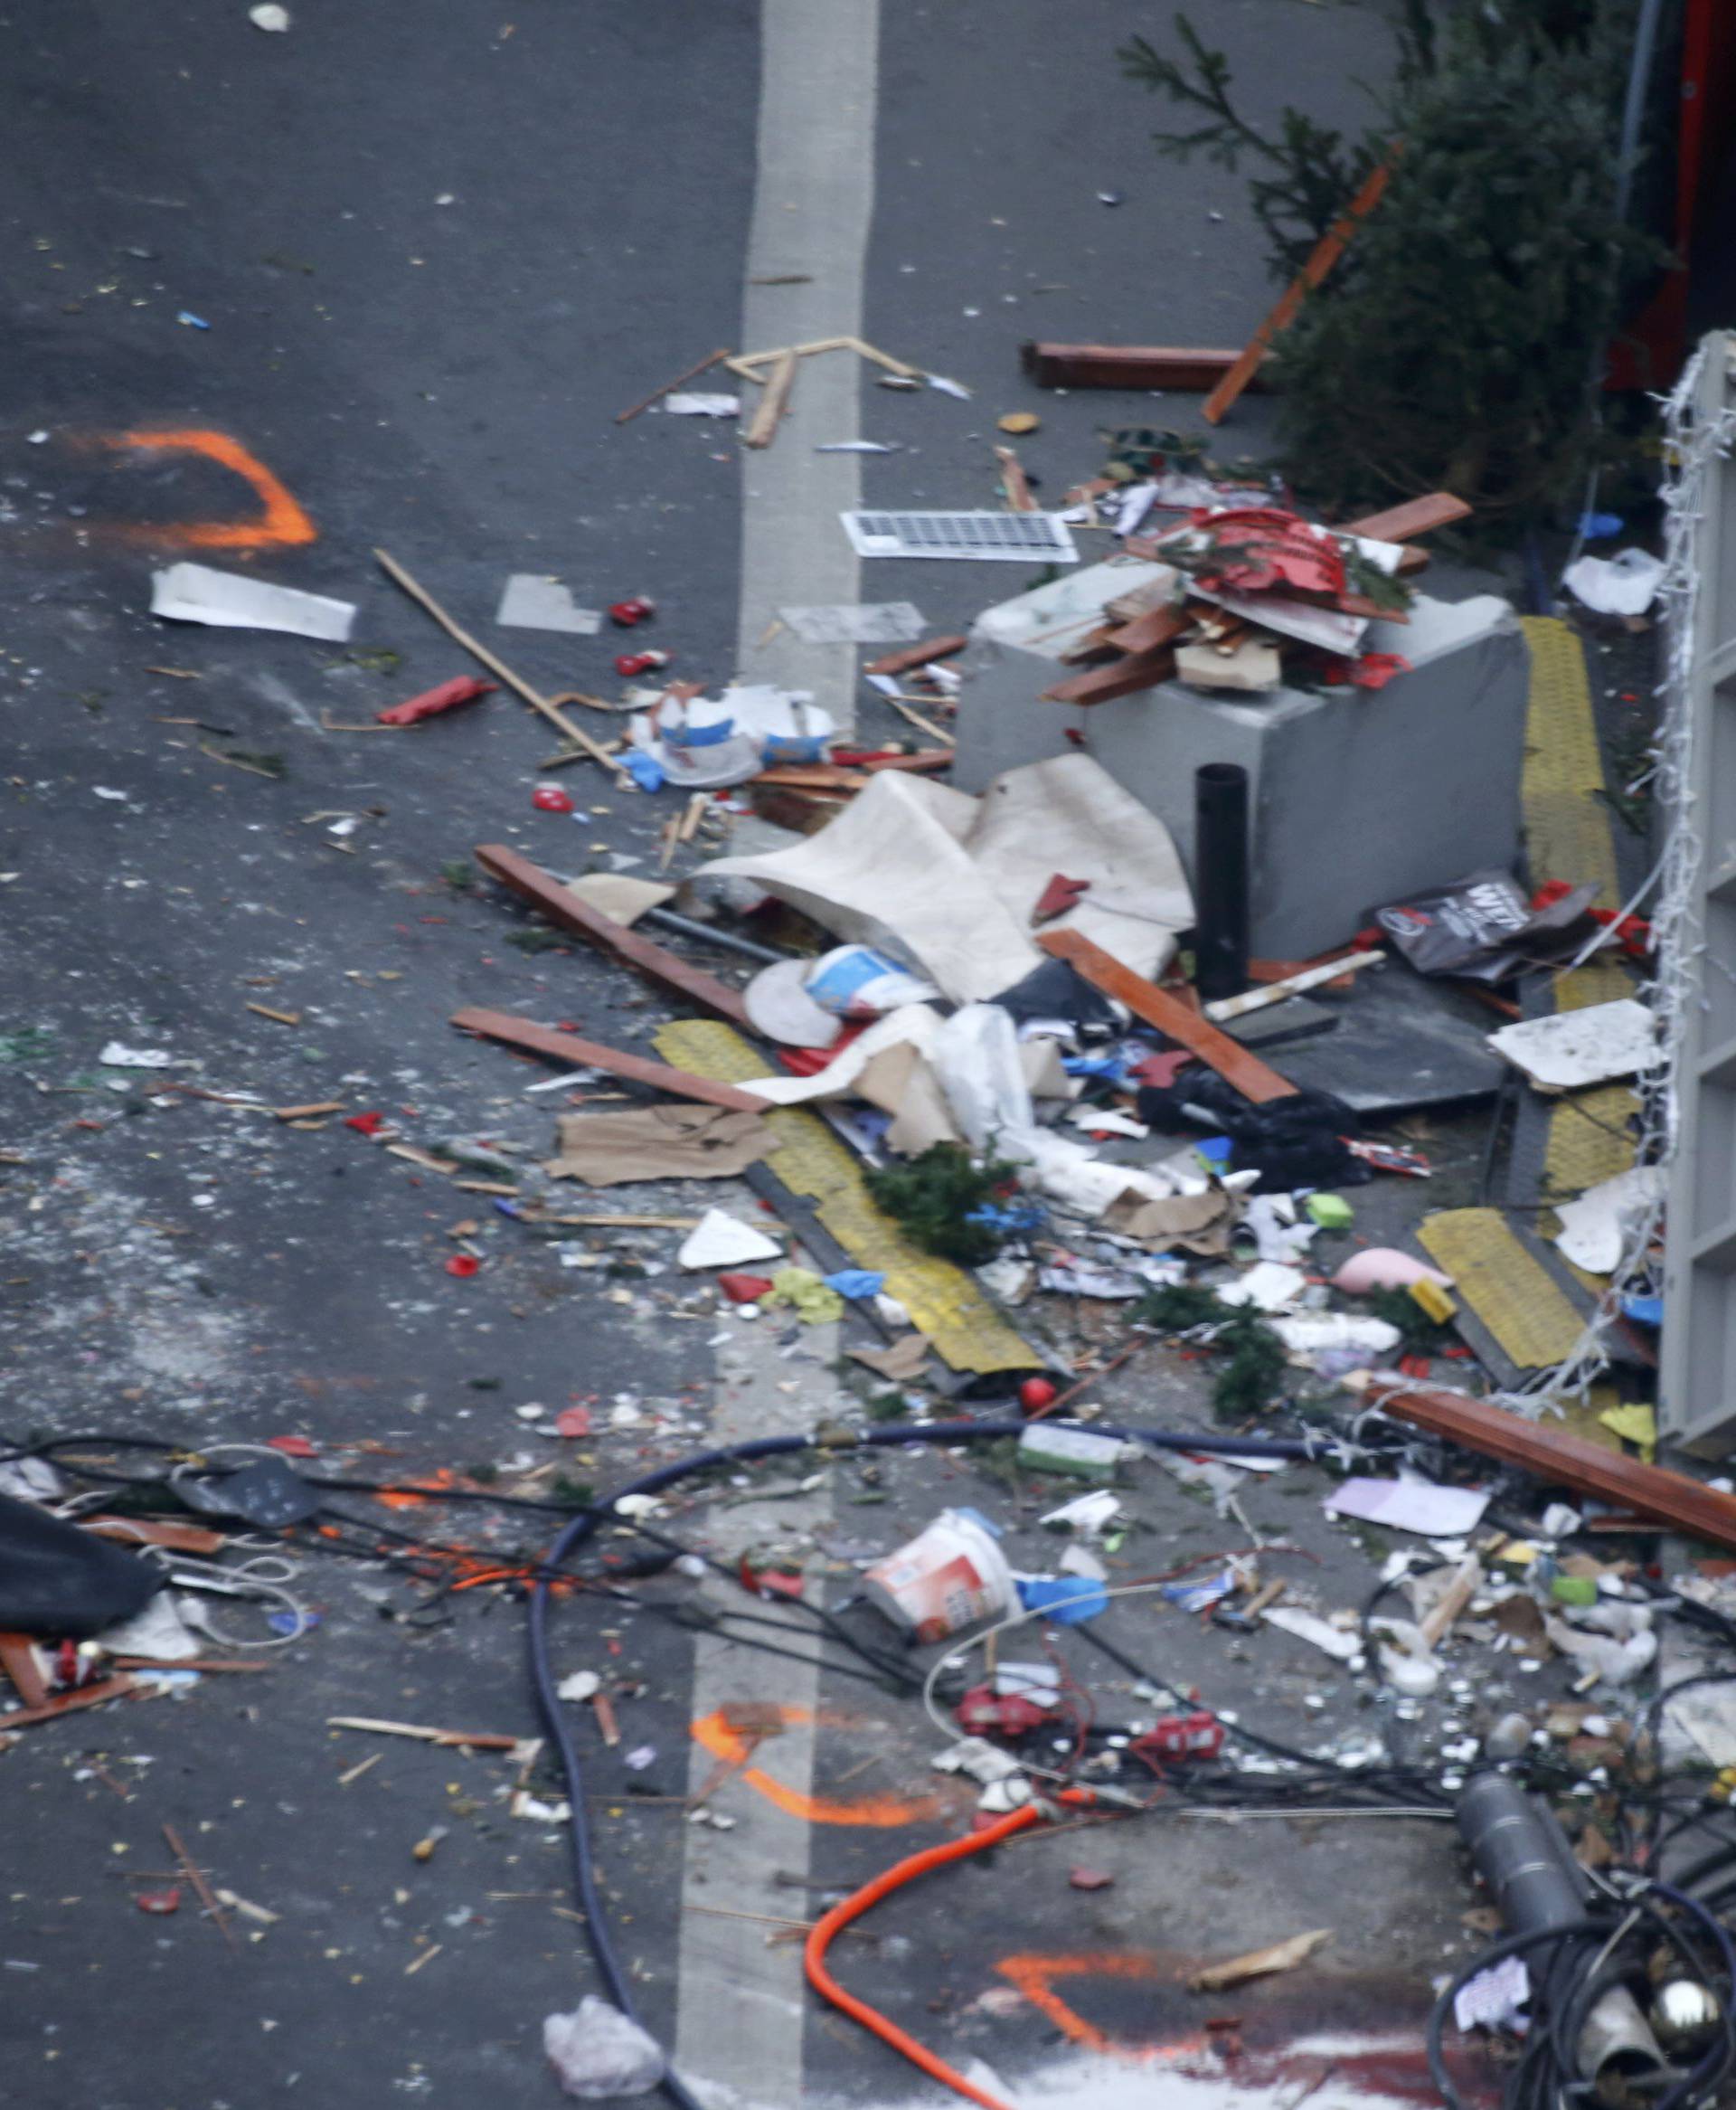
1219	880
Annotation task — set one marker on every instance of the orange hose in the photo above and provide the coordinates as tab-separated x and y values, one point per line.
821	1935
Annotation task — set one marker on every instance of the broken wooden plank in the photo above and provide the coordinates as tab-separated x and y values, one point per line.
66	1703
1325	255
1144	633
1416	516
1292	985
18	1660
1250	1077
560	906
1559	1458
141	1531
763	426
1102	685
656	395
498	667
313	1108
1126	366
1015	488
909	655
569	1047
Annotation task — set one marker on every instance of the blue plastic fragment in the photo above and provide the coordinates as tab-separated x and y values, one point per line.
856	1282
645	769
192	321
1067	1600
1215	1150
1642	1311
1600	527
1009	1217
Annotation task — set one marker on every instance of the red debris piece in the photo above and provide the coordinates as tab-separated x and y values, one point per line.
159	1900
1061	894
1415	1366
464	1264
628	663
744	1289
636	609
366	1124
465	688
1035	1394
572	1420
769	1581
293	1446
551	798
1259	549
1375	669
1633	933
1199	1734
1013	1714
1089	1878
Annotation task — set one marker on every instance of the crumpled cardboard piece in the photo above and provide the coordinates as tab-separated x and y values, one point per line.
658	1142
1201	1222
901	1362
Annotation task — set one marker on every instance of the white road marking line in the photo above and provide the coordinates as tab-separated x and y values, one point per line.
813	203
740	2002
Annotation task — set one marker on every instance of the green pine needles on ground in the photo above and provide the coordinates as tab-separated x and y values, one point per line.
1458	343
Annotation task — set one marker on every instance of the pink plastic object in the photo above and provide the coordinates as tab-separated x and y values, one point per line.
1383	1267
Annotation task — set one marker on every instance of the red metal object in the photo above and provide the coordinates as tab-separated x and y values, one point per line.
983	1711
636	609
551	798
1199	1734
466	688
1263	549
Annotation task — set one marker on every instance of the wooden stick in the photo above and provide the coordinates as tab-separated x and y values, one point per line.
66	1703
1254	1079
396	572
778	351
1309	978
568	1048
1326	253
763	427
906	657
314	1107
922	724
1559	1458
883	359
481	1740
1013	488
561	905
656	395
196	1878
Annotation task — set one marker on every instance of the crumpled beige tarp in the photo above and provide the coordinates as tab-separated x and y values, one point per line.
947	882
658	1142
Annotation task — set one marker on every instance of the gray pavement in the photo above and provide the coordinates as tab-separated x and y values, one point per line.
437	250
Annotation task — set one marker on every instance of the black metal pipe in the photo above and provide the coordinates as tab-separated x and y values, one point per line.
1219	880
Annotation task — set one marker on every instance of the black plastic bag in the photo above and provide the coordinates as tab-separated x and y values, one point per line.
58	1581
1297	1140
1057	989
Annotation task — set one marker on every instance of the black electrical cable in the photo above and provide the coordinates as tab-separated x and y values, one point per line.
579	1528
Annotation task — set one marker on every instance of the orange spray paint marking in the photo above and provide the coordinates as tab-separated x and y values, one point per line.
280	524
1035	1977
723	1739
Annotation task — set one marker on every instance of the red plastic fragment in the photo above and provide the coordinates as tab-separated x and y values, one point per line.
1089	1878
1375	669
366	1124
551	798
637	608
159	1900
572	1420
628	664
1061	894
743	1288
293	1446
464	1264
1035	1394
464	689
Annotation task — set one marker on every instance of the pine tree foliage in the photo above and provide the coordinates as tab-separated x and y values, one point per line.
1456	343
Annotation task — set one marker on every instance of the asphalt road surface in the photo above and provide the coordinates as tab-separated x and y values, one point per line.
273	301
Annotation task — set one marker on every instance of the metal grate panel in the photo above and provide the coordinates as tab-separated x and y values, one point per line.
1016	538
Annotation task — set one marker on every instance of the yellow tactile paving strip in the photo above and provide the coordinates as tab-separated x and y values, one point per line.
942	1300
1512	1293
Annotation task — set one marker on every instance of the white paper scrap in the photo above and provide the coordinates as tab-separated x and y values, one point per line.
1624	584
1410	1505
685	405
117	1055
533	603
1568	1049
1494	1998
878	622
195	593
1269	1285
1594	1228
1345	1643
722	1240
